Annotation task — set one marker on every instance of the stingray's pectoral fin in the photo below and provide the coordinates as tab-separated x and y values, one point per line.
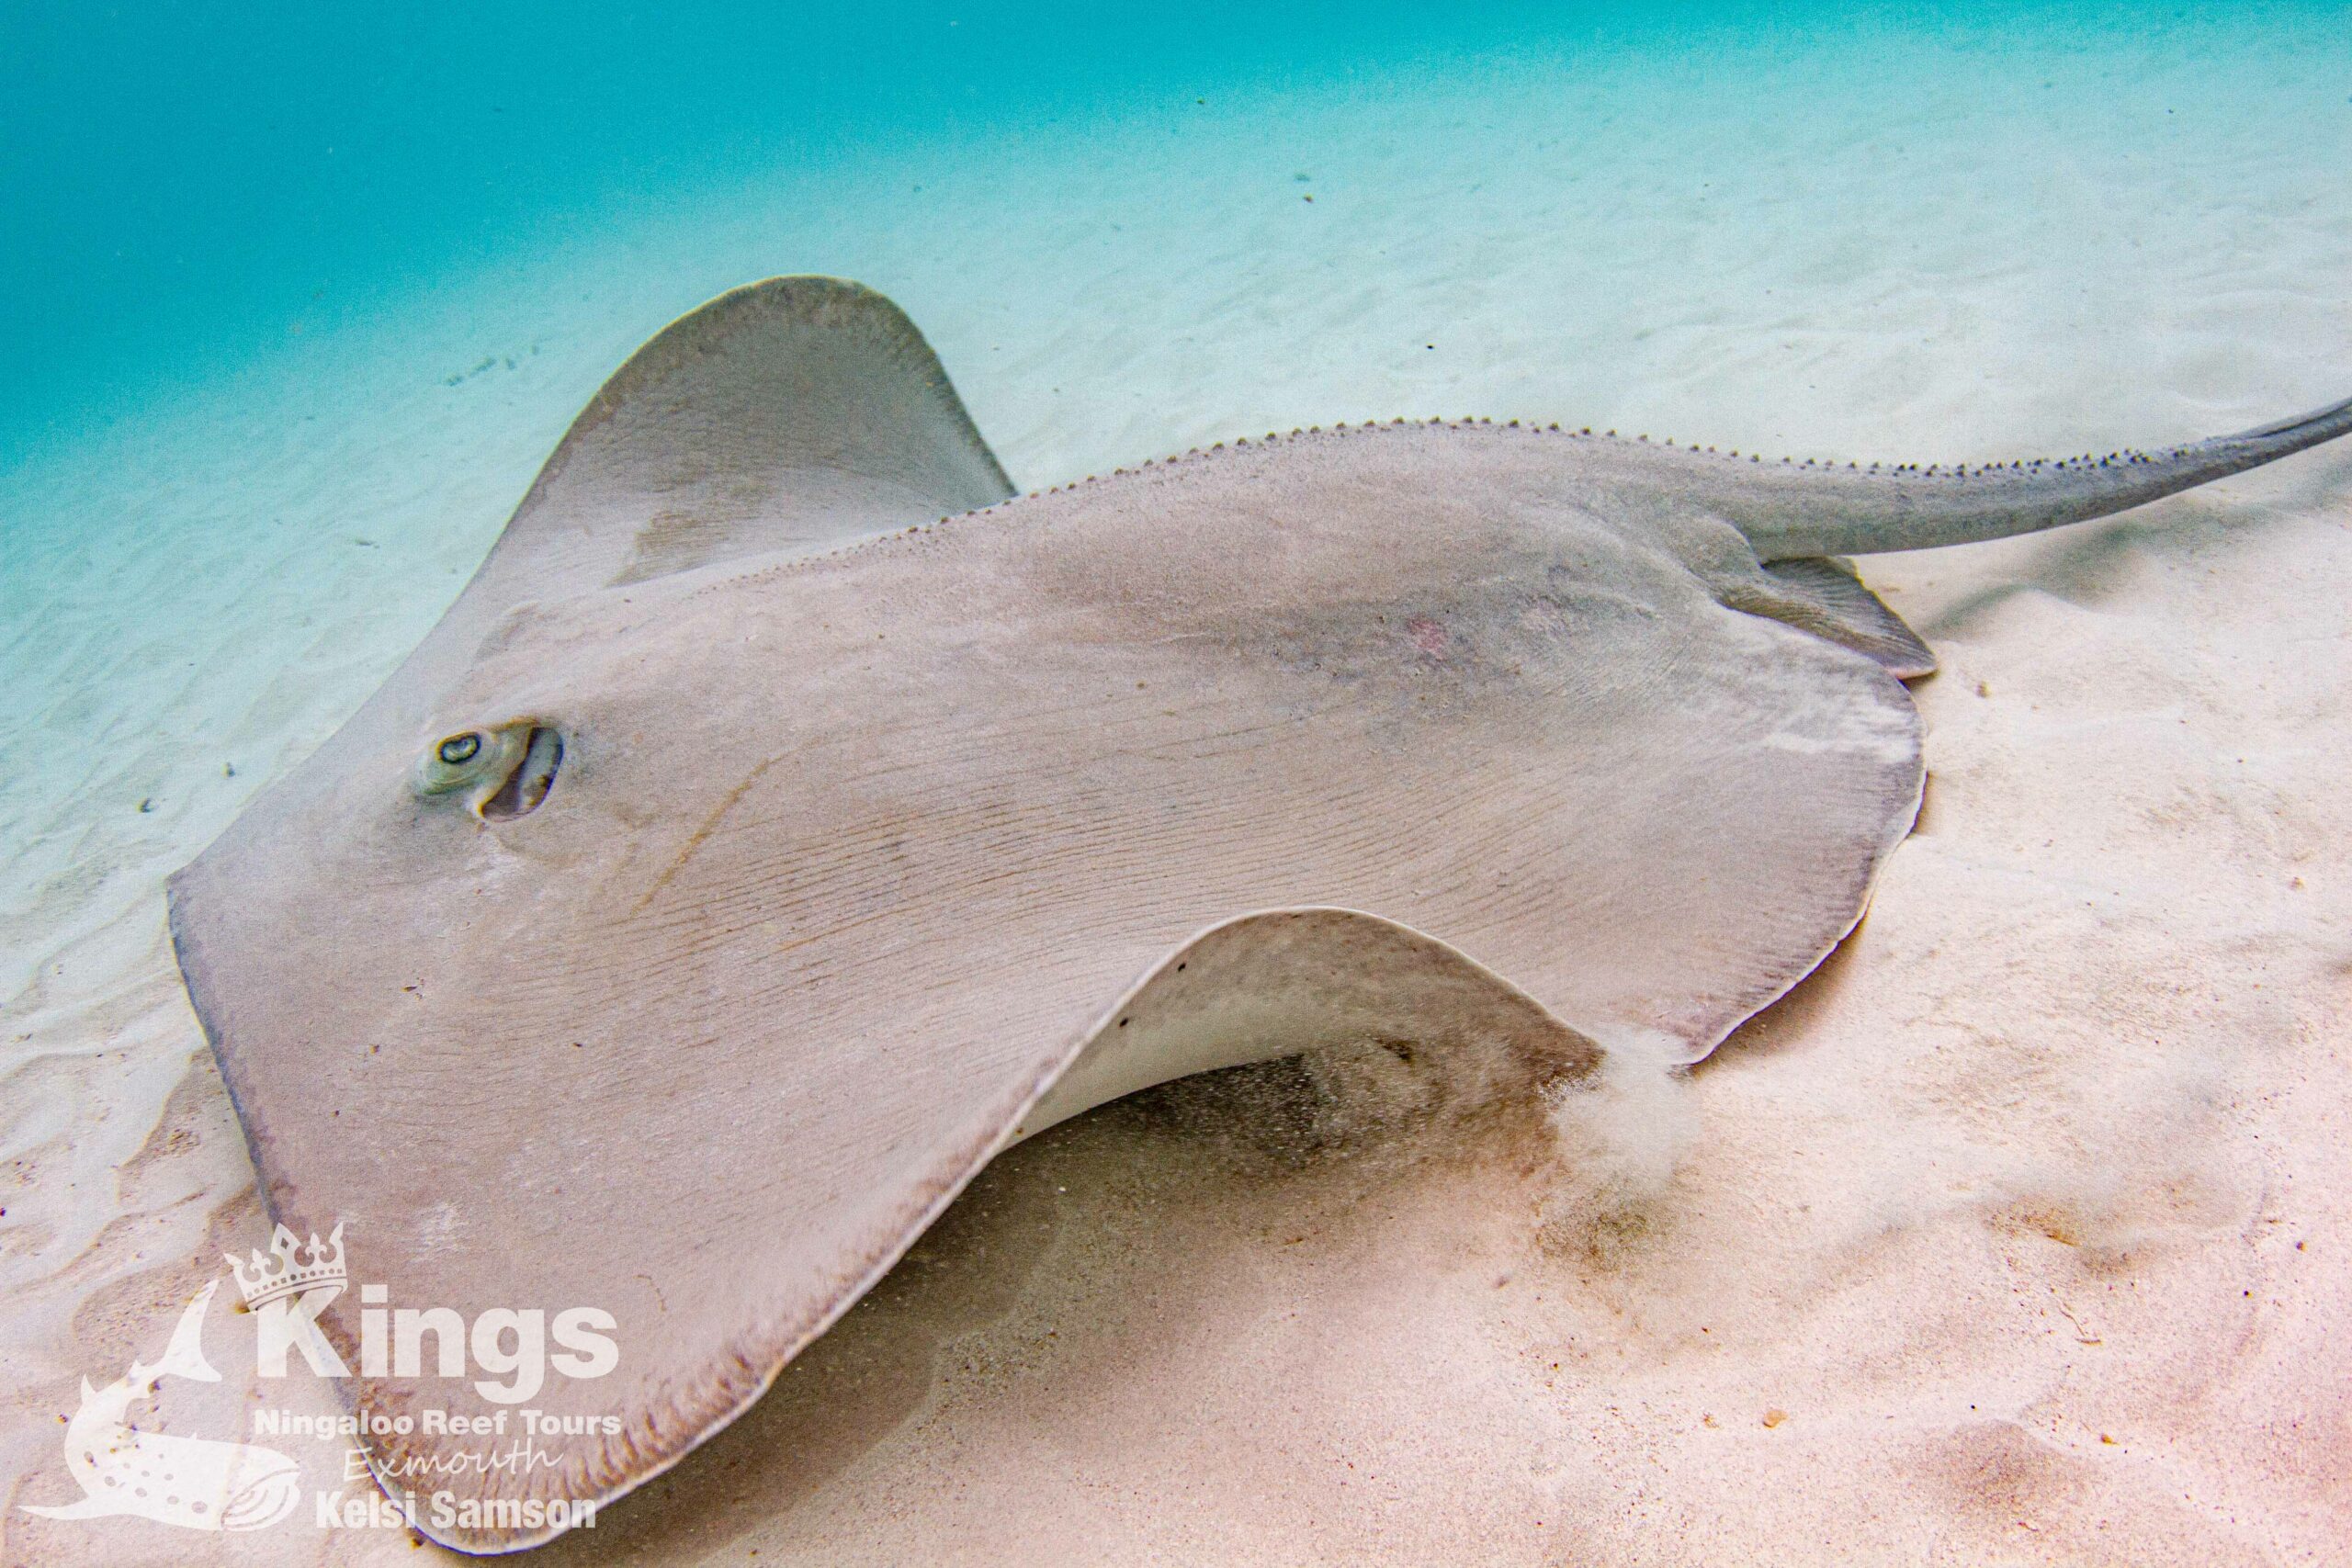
1821	595
790	414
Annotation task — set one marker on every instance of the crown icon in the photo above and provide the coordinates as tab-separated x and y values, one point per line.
289	1267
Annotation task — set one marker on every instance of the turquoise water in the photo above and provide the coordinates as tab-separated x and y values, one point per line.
189	179
296	299
189	183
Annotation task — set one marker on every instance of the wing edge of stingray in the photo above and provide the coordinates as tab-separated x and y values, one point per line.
1900	826
687	331
736	1395
735	1378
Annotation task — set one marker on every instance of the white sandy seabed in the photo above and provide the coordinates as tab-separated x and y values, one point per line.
2020	1233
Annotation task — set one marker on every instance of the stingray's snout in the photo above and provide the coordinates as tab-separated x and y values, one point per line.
501	771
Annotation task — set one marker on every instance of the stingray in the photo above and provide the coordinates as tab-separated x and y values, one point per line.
785	820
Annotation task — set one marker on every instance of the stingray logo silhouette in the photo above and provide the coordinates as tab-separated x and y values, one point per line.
193	1483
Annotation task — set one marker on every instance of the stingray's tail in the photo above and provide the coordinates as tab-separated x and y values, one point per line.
1794	511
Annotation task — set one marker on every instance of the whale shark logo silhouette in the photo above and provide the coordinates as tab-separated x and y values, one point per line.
194	1482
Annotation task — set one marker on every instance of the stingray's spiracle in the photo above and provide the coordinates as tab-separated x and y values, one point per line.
526	787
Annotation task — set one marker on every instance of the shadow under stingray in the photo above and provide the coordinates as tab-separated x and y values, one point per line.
1273	1152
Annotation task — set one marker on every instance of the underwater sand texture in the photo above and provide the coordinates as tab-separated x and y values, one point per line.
2079	1077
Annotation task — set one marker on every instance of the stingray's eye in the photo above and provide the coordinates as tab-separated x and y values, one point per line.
471	759
501	771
